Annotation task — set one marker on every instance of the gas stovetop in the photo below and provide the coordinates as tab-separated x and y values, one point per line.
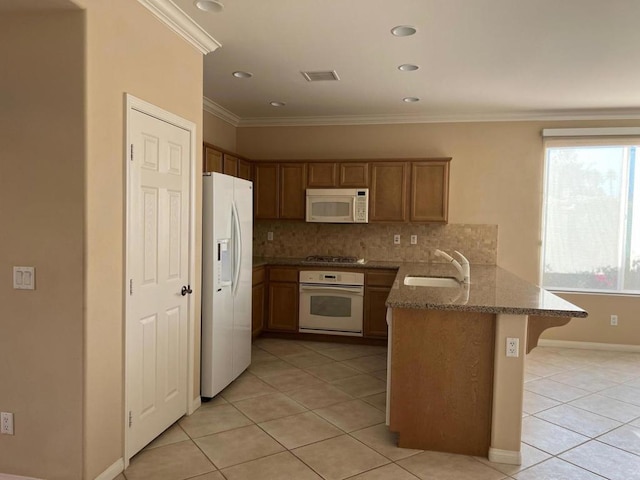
333	259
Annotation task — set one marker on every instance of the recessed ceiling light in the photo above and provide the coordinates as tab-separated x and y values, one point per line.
209	5
277	104
241	74
408	67
403	30
410	99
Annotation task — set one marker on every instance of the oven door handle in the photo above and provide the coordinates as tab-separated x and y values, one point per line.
314	288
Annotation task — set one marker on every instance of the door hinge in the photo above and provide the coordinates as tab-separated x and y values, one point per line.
130	418
131	155
131	286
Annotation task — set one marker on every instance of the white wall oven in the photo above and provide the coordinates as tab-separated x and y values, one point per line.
331	302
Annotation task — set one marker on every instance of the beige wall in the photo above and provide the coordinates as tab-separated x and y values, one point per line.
218	132
496	179
42	225
129	51
62	190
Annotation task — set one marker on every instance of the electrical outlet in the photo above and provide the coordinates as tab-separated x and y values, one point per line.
513	347
396	239
614	320
414	239
270	236
6	423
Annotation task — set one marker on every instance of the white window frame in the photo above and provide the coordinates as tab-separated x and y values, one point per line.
583	137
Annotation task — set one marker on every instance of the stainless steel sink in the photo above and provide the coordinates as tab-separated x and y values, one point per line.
416	281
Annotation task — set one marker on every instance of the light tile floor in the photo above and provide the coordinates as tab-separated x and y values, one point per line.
313	410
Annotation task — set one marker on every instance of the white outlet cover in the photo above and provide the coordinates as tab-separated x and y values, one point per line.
513	347
396	239
6	423
24	278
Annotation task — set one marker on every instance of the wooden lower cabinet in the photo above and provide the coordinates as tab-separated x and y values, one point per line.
282	302
257	301
377	288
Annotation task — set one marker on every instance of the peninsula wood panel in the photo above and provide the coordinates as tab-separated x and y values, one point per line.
429	191
265	190
354	174
322	175
388	194
442	380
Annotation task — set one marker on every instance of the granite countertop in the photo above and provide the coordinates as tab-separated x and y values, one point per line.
492	289
300	262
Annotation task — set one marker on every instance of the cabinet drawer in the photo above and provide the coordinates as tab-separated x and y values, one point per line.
258	276
383	278
283	275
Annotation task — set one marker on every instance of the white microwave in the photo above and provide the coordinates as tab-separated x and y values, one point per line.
338	205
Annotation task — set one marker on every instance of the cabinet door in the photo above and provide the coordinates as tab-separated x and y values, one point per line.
212	161
257	309
354	175
322	175
429	191
388	194
244	169
230	165
293	178
375	312
265	190
283	307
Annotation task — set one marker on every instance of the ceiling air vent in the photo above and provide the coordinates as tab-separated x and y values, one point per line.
320	76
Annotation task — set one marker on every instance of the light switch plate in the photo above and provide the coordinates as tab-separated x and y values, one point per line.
24	278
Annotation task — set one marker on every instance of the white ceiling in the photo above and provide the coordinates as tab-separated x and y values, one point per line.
479	59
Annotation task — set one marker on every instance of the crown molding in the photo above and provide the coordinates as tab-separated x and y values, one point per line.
181	23
222	113
453	118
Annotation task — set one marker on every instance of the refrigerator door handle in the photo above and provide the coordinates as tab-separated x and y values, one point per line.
237	246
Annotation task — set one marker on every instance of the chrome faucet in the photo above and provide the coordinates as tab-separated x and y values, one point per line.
462	266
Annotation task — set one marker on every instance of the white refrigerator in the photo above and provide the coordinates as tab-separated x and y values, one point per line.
227	204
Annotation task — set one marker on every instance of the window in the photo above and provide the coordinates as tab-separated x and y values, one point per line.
591	217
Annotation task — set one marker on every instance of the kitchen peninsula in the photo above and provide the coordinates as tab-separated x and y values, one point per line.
451	385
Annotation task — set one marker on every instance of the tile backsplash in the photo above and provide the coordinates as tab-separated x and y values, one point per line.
479	243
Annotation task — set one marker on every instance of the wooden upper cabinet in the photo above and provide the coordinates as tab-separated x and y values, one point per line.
322	175
353	174
293	179
265	190
429	191
388	192
212	161
244	169
230	165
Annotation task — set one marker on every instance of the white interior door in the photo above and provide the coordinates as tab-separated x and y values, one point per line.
158	265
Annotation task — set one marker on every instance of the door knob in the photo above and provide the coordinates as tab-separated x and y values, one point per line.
186	290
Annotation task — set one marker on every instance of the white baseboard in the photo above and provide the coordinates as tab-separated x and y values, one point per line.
6	476
510	457
613	347
113	471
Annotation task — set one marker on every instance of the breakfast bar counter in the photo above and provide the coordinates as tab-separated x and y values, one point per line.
457	355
